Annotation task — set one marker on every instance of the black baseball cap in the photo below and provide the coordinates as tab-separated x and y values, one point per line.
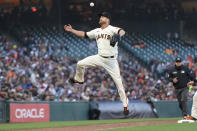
105	14
178	59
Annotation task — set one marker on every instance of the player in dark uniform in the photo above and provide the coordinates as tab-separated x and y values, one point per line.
181	77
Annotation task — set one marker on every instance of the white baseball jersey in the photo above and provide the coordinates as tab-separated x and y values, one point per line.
194	106
103	37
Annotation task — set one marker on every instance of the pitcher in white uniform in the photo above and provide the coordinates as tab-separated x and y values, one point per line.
106	57
194	106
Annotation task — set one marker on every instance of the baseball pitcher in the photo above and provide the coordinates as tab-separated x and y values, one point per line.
107	38
194	108
194	104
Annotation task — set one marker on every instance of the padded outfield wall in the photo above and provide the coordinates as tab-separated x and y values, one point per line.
15	112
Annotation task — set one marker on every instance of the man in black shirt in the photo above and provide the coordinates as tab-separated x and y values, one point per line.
94	111
181	77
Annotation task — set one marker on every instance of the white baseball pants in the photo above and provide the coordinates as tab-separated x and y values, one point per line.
109	64
194	106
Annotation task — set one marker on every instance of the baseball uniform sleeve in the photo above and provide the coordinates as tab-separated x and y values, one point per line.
116	30
91	34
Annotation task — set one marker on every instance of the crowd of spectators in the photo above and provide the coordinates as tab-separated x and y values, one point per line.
27	73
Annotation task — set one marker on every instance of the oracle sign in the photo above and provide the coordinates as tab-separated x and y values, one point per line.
28	112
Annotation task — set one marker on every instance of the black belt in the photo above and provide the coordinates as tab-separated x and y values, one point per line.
107	56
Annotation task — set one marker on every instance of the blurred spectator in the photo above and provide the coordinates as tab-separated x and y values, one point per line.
169	51
175	52
195	59
190	60
149	101
168	35
176	36
94	111
138	43
188	43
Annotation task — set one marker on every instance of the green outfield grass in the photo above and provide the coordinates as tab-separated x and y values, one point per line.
18	126
166	127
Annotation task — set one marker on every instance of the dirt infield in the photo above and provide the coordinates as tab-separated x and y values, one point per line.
104	126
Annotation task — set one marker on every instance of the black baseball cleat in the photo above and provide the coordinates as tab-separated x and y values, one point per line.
72	81
126	111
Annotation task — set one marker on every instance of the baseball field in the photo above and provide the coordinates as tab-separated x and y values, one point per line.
161	124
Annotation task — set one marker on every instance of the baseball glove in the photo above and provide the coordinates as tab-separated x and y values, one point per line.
115	38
